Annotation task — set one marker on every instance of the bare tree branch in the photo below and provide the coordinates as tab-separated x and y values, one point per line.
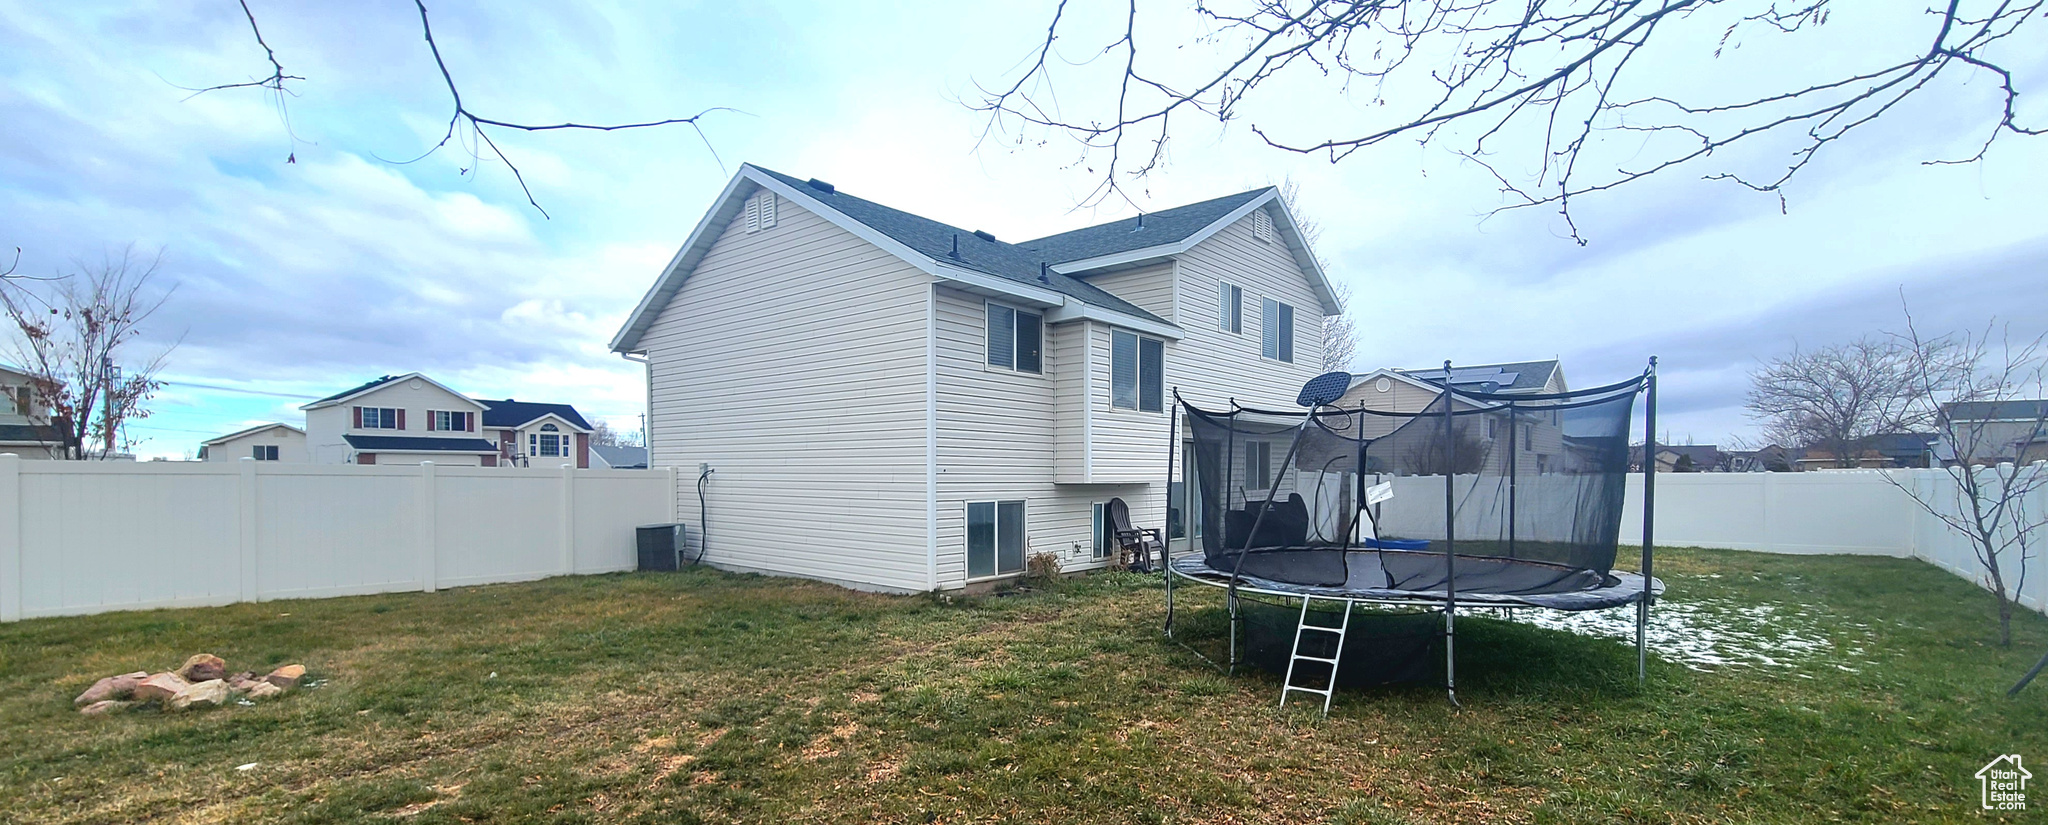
462	120
1562	73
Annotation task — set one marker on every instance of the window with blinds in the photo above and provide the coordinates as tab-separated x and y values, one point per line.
1015	337
1276	331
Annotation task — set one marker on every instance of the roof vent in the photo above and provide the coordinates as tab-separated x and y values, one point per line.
1141	222
984	236
821	186
1044	272
955	254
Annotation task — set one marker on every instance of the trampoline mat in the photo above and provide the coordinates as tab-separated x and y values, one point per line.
1408	576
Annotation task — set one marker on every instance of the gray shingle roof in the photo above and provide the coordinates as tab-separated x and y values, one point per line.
2017	410
418	444
936	240
621	458
1158	228
1529	375
510	413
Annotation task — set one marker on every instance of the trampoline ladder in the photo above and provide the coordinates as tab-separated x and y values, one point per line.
1302	626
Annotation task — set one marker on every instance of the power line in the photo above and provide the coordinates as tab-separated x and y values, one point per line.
220	388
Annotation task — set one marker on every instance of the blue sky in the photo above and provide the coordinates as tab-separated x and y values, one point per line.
297	280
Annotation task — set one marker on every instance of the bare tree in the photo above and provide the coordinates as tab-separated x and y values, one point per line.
1539	82
1984	498
465	128
1836	398
73	335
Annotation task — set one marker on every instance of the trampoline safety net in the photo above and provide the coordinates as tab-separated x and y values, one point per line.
1525	490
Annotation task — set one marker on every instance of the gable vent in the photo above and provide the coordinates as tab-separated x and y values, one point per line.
1262	226
761	212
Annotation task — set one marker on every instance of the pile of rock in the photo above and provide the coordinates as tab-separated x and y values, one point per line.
202	682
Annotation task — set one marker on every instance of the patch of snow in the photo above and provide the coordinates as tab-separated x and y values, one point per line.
1710	633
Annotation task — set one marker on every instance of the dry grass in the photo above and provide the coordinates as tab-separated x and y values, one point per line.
704	697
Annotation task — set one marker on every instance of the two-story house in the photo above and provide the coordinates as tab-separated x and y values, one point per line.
889	402
1538	437
408	419
25	427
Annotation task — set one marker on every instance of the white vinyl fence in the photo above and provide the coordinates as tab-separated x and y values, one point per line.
1859	512
88	537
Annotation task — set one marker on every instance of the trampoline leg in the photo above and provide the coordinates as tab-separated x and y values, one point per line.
1232	598
1451	654
1643	637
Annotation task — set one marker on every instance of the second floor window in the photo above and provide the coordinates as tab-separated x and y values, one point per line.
380	418
263	452
1136	364
550	442
1015	338
1230	309
453	421
1277	331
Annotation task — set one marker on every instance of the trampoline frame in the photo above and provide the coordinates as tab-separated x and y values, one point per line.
1448	602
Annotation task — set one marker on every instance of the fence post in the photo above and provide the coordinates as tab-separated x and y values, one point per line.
245	485
429	520
675	507
568	519
10	537
1770	543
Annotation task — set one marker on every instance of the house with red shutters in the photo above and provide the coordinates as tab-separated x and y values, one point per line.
409	419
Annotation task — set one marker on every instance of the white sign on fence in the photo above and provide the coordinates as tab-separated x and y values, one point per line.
88	537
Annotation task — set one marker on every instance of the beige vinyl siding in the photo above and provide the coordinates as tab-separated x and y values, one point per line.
793	361
1212	366
1129	446
1073	381
1001	434
1150	288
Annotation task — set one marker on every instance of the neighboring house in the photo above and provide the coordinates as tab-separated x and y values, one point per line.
408	419
892	403
25	428
1878	452
530	434
1769	458
618	457
263	442
1539	440
1989	432
1683	458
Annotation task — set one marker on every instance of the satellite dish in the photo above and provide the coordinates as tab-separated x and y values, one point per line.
1324	389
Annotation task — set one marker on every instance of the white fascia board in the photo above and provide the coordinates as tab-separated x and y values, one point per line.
1164	250
544	417
252	431
657	295
1076	310
381	385
1307	260
1387	372
998	284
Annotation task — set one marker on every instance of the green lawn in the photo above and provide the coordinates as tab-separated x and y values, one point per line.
709	697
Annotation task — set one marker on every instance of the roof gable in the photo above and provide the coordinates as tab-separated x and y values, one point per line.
512	414
373	386
1038	271
252	431
1528	376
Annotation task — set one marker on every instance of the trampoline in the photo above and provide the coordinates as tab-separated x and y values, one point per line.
1482	499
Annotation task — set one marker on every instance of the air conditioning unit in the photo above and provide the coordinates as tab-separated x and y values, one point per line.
662	546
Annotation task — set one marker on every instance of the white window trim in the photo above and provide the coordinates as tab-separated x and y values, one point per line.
380	417
1098	520
1294	333
966	564
1110	385
1224	310
1042	348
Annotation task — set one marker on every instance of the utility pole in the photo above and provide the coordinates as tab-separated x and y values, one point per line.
109	374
